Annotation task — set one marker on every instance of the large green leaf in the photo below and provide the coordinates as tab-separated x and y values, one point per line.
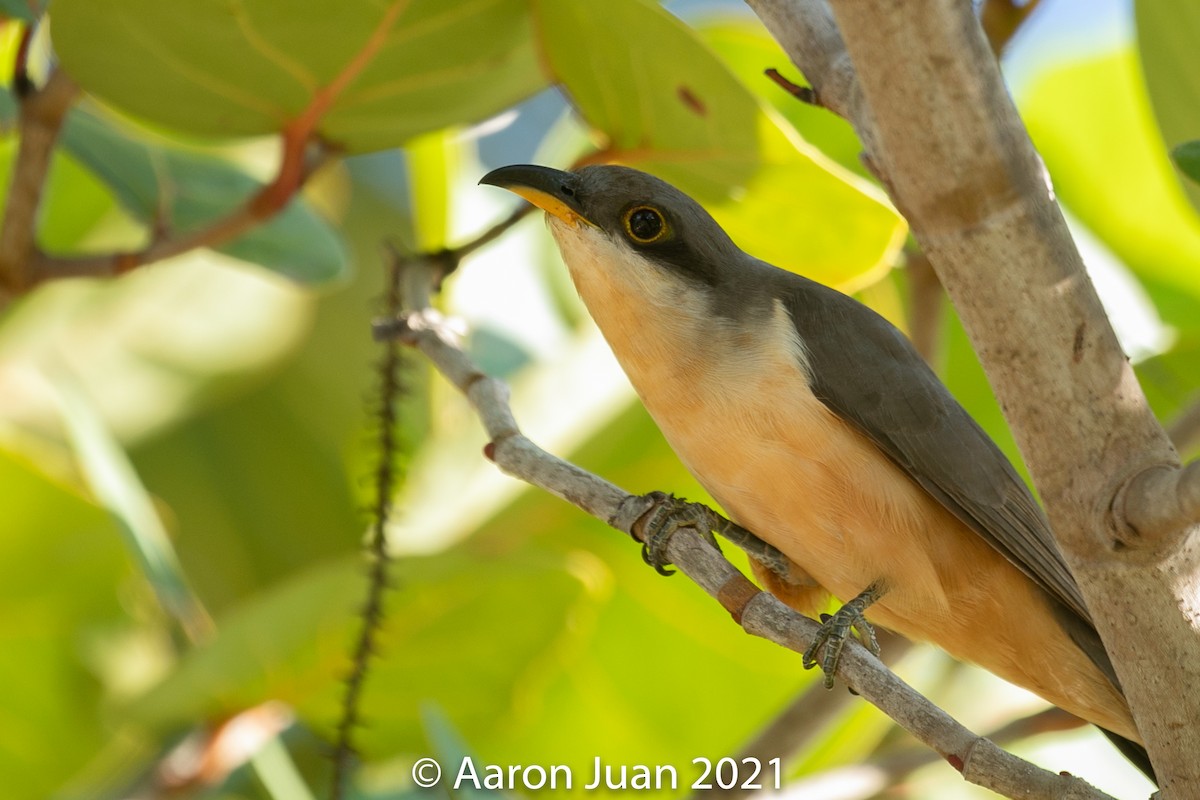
374	74
62	572
667	104
1168	31
462	630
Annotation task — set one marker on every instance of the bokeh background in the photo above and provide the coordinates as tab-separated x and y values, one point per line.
186	452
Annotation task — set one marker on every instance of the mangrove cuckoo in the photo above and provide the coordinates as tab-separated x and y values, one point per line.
817	426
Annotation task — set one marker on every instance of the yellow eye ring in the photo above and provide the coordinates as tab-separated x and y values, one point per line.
645	224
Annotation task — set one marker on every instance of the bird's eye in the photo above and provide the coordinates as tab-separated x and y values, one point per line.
645	225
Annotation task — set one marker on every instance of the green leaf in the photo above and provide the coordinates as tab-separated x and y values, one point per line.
116	485
461	630
374	74
190	190
1167	32
1187	158
667	104
24	10
749	50
61	569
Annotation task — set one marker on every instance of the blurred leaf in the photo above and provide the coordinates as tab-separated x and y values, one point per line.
259	493
448	747
749	50
460	631
24	10
1171	381
115	483
184	191
387	71
668	105
146	348
430	169
1080	115
1167	33
61	565
1187	158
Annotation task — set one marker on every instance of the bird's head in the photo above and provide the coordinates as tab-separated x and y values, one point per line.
639	230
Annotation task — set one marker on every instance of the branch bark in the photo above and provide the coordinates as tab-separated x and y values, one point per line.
40	118
759	613
928	102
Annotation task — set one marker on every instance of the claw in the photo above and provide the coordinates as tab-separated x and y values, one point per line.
836	629
671	514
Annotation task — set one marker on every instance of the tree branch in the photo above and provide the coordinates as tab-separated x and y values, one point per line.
40	118
886	770
941	130
758	612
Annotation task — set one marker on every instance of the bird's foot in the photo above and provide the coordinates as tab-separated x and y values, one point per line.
671	513
836	628
668	516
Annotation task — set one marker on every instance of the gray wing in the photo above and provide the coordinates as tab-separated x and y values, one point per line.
876	380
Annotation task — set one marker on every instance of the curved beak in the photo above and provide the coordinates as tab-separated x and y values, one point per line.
551	190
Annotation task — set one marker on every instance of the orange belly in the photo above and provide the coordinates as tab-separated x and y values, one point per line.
736	408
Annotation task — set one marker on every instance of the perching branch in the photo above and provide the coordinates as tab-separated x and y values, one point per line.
886	770
921	86
758	612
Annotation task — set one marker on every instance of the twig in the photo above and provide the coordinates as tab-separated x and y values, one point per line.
377	583
41	115
805	94
874	777
759	613
493	233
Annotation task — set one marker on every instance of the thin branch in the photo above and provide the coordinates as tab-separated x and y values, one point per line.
40	119
758	612
805	94
874	777
377	582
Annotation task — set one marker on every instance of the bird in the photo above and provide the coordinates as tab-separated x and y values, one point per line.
816	425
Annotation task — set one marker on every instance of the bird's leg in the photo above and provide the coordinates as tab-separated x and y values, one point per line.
836	628
669	514
672	513
768	555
